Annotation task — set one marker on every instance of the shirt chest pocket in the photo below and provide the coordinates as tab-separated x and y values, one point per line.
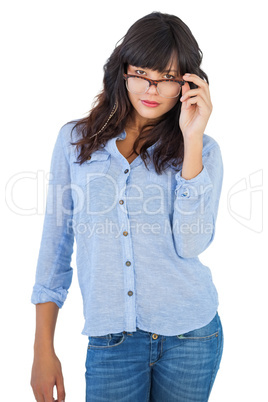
95	167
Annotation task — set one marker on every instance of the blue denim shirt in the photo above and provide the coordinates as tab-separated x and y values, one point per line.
138	237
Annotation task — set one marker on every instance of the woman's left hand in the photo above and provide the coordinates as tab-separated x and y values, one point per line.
196	108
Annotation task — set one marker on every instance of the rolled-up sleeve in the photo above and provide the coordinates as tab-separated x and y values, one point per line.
196	206
53	272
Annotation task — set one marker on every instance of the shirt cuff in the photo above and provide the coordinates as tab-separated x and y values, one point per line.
41	294
194	187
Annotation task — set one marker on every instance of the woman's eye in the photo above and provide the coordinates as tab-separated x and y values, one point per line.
140	72
169	77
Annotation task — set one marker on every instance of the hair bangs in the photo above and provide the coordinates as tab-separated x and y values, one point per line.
156	51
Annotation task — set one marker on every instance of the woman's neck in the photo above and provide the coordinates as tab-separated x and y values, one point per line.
136	123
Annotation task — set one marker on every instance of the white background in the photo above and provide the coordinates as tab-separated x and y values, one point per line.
52	58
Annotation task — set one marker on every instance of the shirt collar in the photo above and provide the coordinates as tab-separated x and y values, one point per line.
111	147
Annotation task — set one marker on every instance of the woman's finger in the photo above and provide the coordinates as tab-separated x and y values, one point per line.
196	92
200	102
60	389
197	81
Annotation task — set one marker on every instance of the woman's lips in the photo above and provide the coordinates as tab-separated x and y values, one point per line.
149	103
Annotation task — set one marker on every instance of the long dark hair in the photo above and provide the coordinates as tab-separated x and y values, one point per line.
150	42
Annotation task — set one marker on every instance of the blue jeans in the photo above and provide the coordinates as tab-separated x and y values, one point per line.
144	367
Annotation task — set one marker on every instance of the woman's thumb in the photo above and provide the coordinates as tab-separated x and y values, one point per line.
60	390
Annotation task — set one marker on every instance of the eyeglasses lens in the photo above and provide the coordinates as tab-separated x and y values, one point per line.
166	89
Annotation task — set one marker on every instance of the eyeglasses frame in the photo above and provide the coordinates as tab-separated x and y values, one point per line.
154	82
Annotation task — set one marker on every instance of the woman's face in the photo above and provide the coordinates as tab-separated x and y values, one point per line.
147	111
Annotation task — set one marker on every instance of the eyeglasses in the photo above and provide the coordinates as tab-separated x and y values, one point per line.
140	85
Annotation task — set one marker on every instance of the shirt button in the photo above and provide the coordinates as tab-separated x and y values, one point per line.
126	171
155	336
125	233
121	202
185	193
128	263
130	293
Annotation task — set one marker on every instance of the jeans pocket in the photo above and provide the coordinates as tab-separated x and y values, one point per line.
208	332
106	341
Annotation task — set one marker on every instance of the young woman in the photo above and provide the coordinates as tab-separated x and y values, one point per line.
137	183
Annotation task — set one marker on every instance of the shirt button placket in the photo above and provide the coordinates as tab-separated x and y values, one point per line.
130	317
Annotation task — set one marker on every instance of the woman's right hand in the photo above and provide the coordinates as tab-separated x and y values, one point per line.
47	373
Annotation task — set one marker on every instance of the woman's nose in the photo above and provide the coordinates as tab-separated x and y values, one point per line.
152	90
